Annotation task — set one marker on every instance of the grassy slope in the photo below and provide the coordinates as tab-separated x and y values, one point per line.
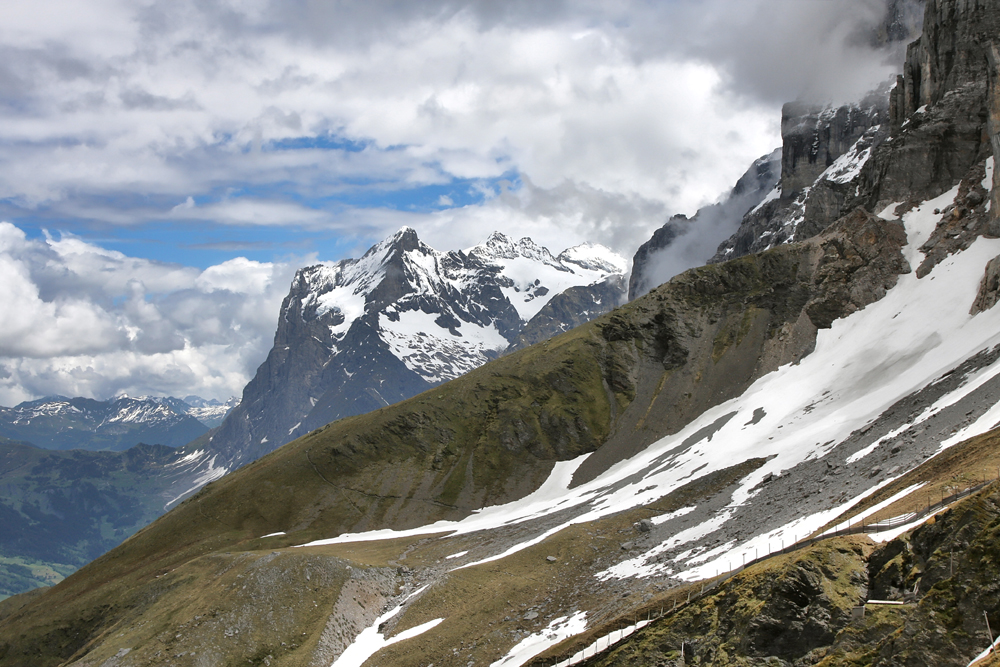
490	436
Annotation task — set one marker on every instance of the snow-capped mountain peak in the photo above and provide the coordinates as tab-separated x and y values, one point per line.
371	331
594	257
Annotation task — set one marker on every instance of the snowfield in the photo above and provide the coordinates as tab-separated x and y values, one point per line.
861	366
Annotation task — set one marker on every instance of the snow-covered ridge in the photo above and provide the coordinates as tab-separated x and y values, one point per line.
447	312
121	410
798	416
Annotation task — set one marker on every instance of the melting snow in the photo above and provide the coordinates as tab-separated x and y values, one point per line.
370	641
559	629
209	474
861	366
663	518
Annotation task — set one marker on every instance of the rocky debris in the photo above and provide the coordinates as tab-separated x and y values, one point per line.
362	599
989	288
644	526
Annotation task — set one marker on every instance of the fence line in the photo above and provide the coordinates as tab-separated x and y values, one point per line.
707	587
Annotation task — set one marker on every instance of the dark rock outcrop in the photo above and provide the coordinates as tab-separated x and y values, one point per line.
989	288
813	137
993	123
823	151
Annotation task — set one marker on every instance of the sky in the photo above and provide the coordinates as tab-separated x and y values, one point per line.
165	167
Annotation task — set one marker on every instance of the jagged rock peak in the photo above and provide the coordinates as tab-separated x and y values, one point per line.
359	334
501	246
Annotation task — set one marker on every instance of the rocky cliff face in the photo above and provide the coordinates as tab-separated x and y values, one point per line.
823	151
835	159
685	242
359	335
813	137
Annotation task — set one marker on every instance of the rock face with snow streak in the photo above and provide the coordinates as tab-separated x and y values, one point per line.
823	150
358	335
827	168
683	242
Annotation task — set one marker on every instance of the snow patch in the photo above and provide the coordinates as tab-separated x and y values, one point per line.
435	353
371	641
663	518
775	193
559	629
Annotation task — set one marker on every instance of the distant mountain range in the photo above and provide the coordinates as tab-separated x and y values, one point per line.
57	422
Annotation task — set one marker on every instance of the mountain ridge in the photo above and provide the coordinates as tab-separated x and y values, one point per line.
572	484
357	335
57	422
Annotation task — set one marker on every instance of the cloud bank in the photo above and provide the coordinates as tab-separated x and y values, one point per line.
84	321
263	121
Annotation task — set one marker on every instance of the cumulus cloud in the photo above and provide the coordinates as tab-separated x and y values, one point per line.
568	122
81	320
663	101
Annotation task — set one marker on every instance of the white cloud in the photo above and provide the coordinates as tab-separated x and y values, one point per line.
82	320
667	102
610	115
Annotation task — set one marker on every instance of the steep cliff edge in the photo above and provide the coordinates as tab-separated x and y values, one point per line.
913	142
682	242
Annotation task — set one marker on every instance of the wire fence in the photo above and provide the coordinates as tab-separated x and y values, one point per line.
623	629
